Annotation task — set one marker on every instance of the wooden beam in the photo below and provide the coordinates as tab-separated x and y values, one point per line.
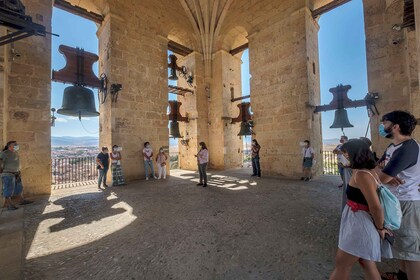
330	6
178	48
66	6
239	49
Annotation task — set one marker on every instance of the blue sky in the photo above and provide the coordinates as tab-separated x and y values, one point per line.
341	52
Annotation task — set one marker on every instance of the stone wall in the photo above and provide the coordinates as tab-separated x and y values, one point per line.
388	67
27	99
281	91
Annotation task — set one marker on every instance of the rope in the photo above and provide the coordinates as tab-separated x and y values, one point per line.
90	132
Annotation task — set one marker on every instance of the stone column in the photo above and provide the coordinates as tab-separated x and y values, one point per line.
415	98
386	62
195	106
225	146
136	58
285	81
27	99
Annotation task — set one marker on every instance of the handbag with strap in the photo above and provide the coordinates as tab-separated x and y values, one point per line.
390	204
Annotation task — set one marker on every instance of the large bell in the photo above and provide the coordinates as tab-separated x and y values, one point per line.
173	75
78	102
245	129
341	119
174	130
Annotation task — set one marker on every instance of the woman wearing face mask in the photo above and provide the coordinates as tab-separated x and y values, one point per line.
10	175
308	157
362	233
117	174
161	159
203	159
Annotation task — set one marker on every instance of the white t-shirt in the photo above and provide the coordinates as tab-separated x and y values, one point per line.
403	160
307	152
148	152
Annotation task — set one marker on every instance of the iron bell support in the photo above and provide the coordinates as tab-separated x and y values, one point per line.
174	117
340	101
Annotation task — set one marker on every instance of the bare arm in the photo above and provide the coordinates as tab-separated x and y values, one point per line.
99	163
368	186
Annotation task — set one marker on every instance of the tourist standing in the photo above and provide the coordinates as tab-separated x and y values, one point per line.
117	174
341	160
362	234
308	157
148	160
401	174
203	159
102	159
255	154
10	175
161	159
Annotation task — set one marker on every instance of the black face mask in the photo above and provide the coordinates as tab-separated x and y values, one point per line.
389	131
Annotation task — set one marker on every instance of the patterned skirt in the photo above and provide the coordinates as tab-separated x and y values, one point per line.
117	175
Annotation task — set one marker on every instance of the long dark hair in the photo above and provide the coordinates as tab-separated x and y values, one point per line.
360	155
256	142
203	145
8	144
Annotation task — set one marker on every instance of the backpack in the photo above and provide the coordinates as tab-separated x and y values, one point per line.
390	204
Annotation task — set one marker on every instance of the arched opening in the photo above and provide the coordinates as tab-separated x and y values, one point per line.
74	142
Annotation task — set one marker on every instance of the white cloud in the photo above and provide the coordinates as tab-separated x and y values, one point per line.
61	120
77	118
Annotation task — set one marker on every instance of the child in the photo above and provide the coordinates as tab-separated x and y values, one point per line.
161	159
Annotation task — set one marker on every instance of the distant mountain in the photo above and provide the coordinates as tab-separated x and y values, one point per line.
334	141
74	141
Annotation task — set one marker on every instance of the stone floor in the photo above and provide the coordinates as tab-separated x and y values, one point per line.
237	228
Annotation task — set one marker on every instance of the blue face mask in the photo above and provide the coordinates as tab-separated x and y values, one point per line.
382	131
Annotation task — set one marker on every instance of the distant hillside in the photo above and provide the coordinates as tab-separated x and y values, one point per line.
74	141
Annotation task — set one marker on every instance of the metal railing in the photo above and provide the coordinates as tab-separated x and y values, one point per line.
73	169
330	163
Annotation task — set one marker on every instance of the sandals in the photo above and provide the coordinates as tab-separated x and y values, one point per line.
394	275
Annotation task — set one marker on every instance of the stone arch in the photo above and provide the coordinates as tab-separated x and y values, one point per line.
236	36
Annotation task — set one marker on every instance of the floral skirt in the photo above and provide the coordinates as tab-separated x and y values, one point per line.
117	175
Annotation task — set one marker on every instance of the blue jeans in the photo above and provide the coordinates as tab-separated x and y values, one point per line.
102	176
149	164
256	169
11	186
202	170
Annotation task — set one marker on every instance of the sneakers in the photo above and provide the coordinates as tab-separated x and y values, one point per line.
205	185
307	179
158	178
200	184
147	178
302	178
154	177
24	202
253	175
105	186
11	207
164	178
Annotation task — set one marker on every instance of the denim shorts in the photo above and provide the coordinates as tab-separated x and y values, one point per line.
11	186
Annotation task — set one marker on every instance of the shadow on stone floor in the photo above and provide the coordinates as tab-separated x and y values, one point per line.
172	229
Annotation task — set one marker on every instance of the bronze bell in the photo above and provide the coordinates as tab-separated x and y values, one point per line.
78	102
245	129
341	119
174	130
173	75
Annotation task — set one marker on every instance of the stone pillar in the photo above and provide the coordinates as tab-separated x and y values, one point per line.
27	100
285	81
225	146
415	98
195	106
136	58
386	62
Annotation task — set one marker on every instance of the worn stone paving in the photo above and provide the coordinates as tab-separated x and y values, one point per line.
237	228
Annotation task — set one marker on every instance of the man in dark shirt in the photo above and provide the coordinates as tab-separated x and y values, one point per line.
103	164
401	174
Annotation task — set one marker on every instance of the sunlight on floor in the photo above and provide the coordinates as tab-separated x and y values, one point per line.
72	236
